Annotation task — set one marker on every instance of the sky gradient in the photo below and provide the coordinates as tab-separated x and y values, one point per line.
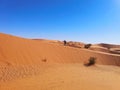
90	21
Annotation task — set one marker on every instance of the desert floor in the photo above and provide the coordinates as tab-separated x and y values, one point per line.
62	77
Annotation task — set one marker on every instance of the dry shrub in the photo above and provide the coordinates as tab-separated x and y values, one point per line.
87	46
91	61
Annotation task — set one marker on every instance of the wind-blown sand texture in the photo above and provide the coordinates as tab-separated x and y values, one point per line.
27	64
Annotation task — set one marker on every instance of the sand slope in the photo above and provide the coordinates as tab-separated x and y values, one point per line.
27	64
15	50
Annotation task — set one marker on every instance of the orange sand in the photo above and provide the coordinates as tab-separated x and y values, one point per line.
27	64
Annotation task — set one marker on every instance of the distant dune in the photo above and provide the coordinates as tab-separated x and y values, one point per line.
108	45
21	58
109	48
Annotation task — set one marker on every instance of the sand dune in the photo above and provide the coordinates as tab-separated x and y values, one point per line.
17	51
49	65
99	48
109	48
108	45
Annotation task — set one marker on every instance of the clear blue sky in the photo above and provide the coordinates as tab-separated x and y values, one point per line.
90	21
